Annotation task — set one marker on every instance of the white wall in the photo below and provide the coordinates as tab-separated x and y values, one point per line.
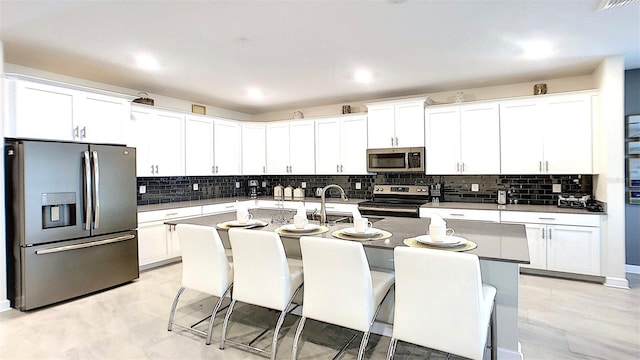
159	100
609	184
4	303
575	83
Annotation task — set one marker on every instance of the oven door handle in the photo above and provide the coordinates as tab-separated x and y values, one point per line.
387	209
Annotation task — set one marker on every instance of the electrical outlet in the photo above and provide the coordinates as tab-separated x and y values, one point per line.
358	186
195	187
237	184
303	185
264	184
475	187
143	189
557	188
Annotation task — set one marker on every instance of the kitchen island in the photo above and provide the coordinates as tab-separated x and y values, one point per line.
501	248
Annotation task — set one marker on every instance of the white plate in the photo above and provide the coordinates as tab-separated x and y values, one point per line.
239	224
306	228
450	241
368	233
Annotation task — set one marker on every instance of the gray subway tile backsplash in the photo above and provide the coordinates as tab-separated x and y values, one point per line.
527	189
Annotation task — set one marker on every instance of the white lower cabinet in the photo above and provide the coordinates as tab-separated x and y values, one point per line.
157	242
561	242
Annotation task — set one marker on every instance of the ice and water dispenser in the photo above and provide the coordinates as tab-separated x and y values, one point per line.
58	209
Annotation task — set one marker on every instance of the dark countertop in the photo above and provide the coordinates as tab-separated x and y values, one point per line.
443	205
497	242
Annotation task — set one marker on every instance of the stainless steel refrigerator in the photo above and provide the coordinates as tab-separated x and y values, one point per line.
71	220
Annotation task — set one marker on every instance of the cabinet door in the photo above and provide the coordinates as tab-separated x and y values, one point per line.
137	135
521	127
536	239
253	149
44	112
166	143
152	243
443	140
198	146
381	126
301	148
227	148
568	140
353	147
480	139
101	118
409	124
328	146
278	148
574	249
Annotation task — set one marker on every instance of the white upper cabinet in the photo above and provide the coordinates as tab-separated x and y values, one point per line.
463	139
199	159
46	111
290	147
158	136
227	141
551	134
341	145
253	149
396	124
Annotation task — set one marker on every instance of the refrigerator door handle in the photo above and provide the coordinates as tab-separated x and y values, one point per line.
87	189
84	245
96	189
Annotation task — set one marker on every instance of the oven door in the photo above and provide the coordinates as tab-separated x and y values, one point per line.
398	210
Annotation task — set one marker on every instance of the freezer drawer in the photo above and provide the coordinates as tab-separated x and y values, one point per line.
64	270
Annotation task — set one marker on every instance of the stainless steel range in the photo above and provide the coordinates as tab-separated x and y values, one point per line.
396	200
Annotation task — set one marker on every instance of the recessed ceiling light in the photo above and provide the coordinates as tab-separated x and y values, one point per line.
363	76
147	62
255	94
537	49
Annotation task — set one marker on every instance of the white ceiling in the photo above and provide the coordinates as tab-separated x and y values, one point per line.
304	53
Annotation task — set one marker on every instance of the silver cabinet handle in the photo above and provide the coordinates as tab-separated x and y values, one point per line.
76	132
396	141
171	214
462	168
337	168
84	132
550	233
392	141
264	169
540	165
87	190
157	171
229	206
457	167
213	170
547	165
152	169
546	218
543	234
216	169
84	245
341	170
456	214
96	189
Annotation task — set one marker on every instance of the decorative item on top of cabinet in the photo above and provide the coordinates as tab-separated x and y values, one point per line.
143	98
398	123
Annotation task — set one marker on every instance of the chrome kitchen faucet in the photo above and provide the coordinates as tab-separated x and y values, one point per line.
323	210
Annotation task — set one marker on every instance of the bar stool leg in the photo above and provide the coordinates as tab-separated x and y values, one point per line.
392	348
214	312
226	322
494	333
173	308
363	345
296	338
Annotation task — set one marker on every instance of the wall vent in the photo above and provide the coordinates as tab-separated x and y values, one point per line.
610	4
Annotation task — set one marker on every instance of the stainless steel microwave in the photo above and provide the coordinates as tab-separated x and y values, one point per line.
408	159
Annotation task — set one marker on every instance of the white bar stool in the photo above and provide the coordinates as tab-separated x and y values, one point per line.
263	277
441	303
340	288
205	268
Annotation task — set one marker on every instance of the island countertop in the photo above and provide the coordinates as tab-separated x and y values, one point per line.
497	242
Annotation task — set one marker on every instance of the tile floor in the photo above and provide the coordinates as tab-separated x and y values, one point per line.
559	319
